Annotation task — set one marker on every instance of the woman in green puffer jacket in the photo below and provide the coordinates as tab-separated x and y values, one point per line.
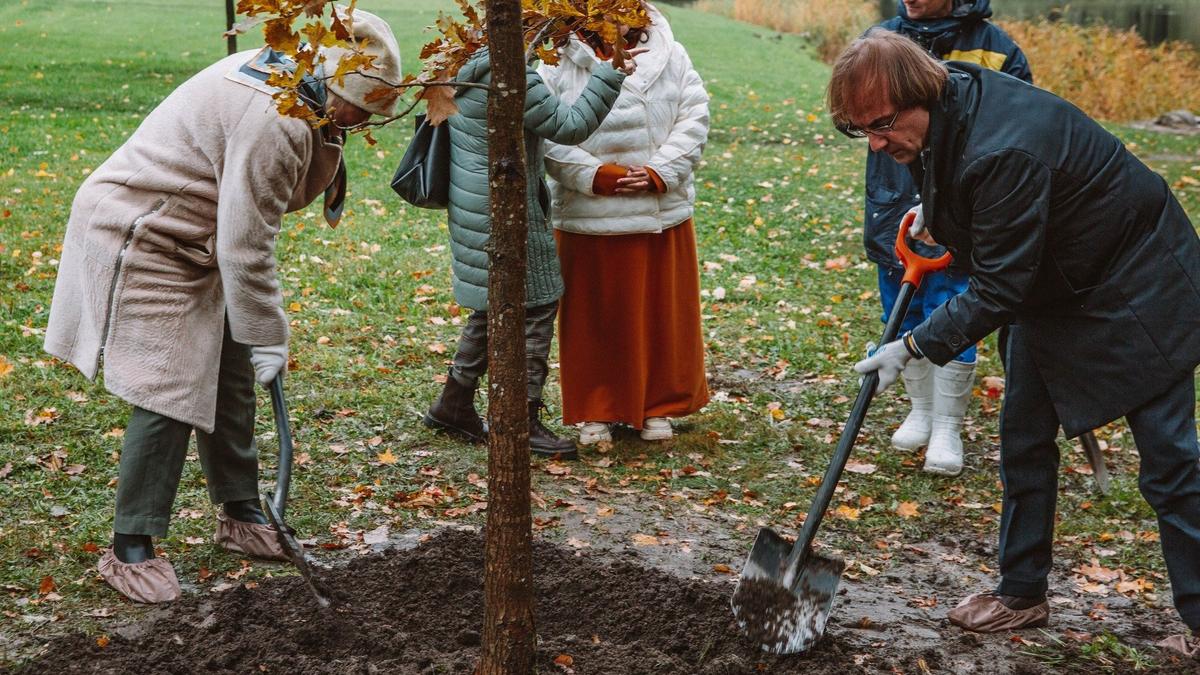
546	117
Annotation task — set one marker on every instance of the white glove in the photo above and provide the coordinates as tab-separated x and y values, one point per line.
917	229
268	361
889	360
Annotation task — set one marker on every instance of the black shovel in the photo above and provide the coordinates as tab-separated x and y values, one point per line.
277	503
785	593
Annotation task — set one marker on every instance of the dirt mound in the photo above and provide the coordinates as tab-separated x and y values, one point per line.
420	611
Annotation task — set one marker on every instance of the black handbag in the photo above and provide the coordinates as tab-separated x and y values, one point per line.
423	177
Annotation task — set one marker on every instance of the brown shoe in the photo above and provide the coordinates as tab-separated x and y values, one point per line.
253	539
1186	645
150	581
543	441
985	613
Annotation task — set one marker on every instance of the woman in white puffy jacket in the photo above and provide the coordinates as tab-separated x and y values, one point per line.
629	322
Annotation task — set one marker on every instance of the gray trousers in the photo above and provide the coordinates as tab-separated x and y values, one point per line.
470	361
155	447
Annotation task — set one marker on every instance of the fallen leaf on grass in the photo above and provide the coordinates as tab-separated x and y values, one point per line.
5	367
46	586
645	539
860	467
907	510
8	468
386	457
102	641
846	512
43	416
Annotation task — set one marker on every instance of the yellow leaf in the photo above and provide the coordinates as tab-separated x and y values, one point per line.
908	510
5	367
386	457
294	307
847	512
645	540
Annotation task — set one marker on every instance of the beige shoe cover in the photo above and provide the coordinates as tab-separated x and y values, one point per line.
149	581
984	613
252	539
1186	645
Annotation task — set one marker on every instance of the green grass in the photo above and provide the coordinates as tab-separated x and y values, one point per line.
779	198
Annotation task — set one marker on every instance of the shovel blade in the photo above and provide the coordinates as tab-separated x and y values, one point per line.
295	553
784	610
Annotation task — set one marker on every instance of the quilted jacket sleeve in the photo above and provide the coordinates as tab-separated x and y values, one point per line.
678	156
548	117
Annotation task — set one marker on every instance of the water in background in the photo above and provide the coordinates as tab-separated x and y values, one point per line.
1155	20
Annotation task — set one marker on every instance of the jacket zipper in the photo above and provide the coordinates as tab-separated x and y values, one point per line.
112	287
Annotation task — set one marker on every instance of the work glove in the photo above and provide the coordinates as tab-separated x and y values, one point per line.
889	361
917	229
268	362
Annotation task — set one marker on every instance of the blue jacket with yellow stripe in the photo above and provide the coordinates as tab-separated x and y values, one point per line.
965	35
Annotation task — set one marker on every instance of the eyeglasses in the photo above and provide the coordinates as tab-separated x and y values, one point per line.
873	129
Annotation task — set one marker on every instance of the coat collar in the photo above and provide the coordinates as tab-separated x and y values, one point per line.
950	121
649	65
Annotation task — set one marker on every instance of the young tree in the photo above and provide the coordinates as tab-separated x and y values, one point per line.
508	630
516	31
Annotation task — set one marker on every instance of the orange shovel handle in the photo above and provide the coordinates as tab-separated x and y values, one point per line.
916	266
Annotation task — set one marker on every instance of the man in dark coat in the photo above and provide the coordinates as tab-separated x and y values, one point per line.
1086	252
956	30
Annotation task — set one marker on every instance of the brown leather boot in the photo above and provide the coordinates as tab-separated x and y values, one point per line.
454	412
544	442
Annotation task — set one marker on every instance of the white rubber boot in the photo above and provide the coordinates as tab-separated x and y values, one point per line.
918	384
952	384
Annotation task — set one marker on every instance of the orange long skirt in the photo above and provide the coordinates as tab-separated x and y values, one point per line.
630	344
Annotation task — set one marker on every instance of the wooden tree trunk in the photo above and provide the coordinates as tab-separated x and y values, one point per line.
230	18
508	631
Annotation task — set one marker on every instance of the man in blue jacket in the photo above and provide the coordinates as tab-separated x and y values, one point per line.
952	30
1087	254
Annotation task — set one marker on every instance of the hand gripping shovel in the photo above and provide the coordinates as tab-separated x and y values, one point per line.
277	503
785	593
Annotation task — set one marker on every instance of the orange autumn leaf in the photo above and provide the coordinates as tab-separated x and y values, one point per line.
564	660
907	510
46	586
386	457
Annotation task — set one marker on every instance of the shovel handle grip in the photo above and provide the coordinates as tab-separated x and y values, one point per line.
916	266
283	475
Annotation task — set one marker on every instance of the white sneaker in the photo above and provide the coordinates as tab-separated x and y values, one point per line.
657	429
594	432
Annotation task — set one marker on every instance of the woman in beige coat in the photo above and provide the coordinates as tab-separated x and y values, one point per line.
168	284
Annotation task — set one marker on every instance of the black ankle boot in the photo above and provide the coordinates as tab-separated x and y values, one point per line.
542	441
246	511
132	548
454	411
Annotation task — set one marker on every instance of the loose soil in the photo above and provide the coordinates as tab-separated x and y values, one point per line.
420	611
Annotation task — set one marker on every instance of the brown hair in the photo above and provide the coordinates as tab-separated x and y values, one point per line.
884	64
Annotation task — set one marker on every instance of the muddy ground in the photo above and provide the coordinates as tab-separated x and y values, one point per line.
607	602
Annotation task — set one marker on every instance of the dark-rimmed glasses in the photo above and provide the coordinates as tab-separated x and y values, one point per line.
878	129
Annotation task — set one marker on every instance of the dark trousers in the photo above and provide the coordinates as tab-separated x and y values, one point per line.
470	360
155	446
1169	478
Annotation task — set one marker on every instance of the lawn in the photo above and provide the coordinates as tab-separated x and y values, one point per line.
789	304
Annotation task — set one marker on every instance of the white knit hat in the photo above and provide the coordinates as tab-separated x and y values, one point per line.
381	44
